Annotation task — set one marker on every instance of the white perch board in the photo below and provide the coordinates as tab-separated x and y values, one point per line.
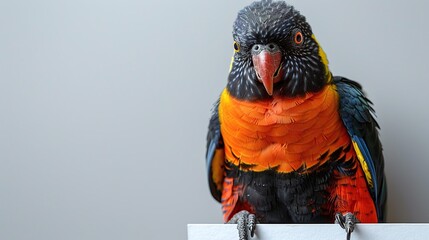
385	231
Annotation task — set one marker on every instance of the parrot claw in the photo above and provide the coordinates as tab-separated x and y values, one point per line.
346	222
251	224
245	222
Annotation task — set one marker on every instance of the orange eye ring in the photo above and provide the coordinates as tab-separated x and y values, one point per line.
298	38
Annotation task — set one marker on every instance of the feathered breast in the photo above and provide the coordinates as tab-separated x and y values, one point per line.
288	134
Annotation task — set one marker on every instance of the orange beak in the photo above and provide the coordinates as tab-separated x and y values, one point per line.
267	68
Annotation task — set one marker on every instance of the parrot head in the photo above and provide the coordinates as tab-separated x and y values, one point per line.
275	53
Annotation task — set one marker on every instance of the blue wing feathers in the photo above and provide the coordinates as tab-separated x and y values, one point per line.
211	151
367	156
358	116
214	140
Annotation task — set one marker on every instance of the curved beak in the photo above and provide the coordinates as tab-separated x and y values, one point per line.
267	68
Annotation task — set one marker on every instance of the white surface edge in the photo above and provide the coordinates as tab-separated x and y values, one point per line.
384	231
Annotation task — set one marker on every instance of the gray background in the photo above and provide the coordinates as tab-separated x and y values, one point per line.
104	107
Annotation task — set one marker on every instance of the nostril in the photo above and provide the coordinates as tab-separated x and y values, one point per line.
256	48
272	47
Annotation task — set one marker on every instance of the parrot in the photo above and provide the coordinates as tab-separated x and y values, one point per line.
287	141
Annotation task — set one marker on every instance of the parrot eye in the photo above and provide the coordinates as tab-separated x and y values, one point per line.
298	38
236	47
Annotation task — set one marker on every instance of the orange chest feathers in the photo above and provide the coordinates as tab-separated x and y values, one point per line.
289	134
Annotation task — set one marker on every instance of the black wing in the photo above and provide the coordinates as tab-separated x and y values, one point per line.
215	155
357	114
